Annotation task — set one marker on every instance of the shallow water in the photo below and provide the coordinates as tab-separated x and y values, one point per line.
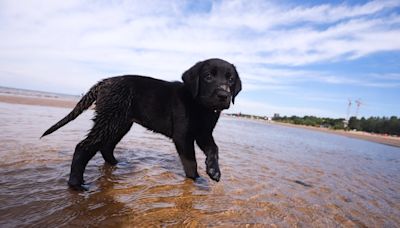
270	175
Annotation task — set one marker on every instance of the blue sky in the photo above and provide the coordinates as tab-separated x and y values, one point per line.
294	58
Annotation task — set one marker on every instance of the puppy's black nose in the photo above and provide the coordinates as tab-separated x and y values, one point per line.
222	95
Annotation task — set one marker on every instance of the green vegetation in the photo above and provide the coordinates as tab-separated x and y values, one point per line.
248	116
312	121
380	125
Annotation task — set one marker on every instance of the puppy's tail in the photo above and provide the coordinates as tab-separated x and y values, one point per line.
86	101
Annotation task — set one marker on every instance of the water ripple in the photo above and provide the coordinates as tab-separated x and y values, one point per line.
271	176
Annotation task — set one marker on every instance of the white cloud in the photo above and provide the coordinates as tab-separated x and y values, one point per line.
48	42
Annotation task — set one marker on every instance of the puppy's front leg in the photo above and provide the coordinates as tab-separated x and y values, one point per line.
185	148
210	149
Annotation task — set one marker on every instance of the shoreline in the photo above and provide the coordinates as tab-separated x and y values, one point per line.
70	103
387	140
371	137
38	101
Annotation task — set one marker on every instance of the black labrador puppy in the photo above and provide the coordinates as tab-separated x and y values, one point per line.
185	112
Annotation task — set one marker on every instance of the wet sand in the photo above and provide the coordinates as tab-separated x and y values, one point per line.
30	100
272	175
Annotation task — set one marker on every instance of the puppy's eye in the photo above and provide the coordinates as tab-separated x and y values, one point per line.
231	79
209	77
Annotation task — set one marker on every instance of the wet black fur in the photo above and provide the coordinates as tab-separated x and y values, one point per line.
185	112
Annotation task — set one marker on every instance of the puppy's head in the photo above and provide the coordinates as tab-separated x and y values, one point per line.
214	83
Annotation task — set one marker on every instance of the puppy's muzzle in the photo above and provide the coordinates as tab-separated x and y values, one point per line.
223	93
222	96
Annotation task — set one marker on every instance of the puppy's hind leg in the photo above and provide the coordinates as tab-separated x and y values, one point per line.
84	151
107	151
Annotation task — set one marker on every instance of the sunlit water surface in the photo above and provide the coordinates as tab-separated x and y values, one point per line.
270	175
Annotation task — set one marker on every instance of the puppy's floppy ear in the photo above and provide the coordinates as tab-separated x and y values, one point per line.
191	78
237	86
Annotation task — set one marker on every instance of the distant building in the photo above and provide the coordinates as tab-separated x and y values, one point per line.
276	115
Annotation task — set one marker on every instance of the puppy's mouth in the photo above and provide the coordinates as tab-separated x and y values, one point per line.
221	106
215	103
217	106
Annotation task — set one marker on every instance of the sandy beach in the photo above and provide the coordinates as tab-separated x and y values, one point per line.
30	100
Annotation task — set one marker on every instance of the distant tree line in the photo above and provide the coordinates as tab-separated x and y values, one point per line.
248	116
312	121
381	125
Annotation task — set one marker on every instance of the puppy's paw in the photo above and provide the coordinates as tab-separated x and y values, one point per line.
112	162
78	186
213	168
214	173
192	175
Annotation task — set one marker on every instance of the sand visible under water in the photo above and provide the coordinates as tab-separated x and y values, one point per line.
271	175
